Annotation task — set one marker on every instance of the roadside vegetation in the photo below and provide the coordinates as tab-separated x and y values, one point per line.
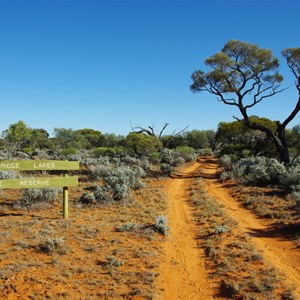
232	260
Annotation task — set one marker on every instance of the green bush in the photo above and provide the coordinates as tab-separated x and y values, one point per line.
69	151
109	151
186	152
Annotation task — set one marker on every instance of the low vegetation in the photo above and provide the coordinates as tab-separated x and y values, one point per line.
241	271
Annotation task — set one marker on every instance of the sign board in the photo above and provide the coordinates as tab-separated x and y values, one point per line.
34	183
35	165
31	165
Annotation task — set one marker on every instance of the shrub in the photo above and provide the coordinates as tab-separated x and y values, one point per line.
8	174
291	179
258	170
186	152
5	155
205	151
171	157
30	151
161	224
51	245
87	198
109	151
102	194
99	171
118	183
154	157
33	196
69	151
166	168
226	162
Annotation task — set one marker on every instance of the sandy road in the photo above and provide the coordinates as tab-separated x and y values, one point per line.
183	274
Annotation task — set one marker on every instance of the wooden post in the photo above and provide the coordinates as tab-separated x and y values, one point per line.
65	201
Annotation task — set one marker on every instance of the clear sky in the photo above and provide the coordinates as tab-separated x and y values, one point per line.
108	64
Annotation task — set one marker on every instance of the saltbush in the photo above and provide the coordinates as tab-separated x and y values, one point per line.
161	224
291	179
186	152
258	170
31	197
118	182
9	174
170	159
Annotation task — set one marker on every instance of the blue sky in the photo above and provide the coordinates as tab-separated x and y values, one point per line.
108	64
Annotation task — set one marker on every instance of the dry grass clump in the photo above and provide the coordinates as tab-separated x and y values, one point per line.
240	270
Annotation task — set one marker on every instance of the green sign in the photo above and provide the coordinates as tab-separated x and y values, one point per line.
28	183
31	165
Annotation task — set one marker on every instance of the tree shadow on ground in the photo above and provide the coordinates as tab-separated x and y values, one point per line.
284	232
196	175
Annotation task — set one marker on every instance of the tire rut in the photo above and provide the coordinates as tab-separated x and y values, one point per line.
183	274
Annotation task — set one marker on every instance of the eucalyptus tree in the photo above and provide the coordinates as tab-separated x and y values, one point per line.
17	136
236	138
243	75
141	143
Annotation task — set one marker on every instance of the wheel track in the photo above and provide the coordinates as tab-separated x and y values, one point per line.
183	274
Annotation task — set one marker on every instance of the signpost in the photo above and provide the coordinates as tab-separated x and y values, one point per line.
31	165
50	182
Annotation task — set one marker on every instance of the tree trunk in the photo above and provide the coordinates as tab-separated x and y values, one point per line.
284	154
279	138
283	148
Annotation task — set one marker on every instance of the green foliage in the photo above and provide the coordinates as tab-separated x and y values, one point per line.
236	138
293	136
109	151
28	150
243	75
90	138
69	151
186	152
236	68
40	139
173	141
18	135
200	139
110	140
142	144
64	137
